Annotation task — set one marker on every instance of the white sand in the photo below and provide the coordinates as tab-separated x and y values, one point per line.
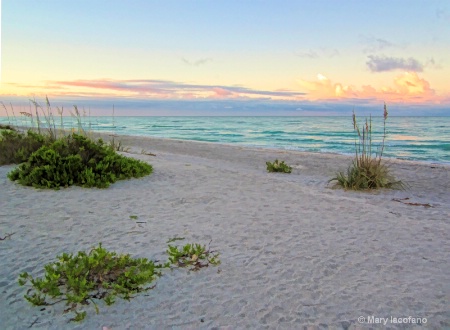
295	253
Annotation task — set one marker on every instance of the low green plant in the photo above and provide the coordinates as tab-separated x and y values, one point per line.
277	166
16	147
367	170
173	239
83	278
195	256
77	160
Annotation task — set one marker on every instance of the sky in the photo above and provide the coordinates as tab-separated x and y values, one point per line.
233	57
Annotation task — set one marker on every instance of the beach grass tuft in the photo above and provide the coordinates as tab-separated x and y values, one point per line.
277	166
367	170
117	145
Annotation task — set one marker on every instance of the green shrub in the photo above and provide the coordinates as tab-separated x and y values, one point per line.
278	167
77	160
100	274
367	171
81	279
16	147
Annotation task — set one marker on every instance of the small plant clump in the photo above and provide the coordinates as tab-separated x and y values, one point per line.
85	278
277	166
117	146
367	171
100	274
194	255
77	160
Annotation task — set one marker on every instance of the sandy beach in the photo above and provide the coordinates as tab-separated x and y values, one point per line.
295	253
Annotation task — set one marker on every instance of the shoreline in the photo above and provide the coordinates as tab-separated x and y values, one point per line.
294	252
333	148
269	149
106	136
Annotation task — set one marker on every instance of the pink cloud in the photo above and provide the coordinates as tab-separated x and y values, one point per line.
221	92
127	86
153	89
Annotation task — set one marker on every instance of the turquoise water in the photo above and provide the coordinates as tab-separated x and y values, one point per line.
413	138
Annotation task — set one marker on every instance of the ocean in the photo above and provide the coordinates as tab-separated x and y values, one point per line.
413	138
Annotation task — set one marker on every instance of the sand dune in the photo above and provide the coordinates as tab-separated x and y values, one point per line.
295	253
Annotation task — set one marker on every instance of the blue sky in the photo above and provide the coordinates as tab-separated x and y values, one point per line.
228	57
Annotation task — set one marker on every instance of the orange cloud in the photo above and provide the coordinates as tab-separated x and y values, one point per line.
324	88
411	84
407	88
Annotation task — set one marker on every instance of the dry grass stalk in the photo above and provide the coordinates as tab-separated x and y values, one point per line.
367	170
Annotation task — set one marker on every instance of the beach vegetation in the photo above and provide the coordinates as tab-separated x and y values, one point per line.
117	145
77	160
195	256
173	239
277	166
80	279
51	158
84	278
16	147
367	170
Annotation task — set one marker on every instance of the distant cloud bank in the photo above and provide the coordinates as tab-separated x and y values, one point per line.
384	63
407	94
165	89
144	107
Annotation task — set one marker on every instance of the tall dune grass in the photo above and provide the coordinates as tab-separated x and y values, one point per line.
367	170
